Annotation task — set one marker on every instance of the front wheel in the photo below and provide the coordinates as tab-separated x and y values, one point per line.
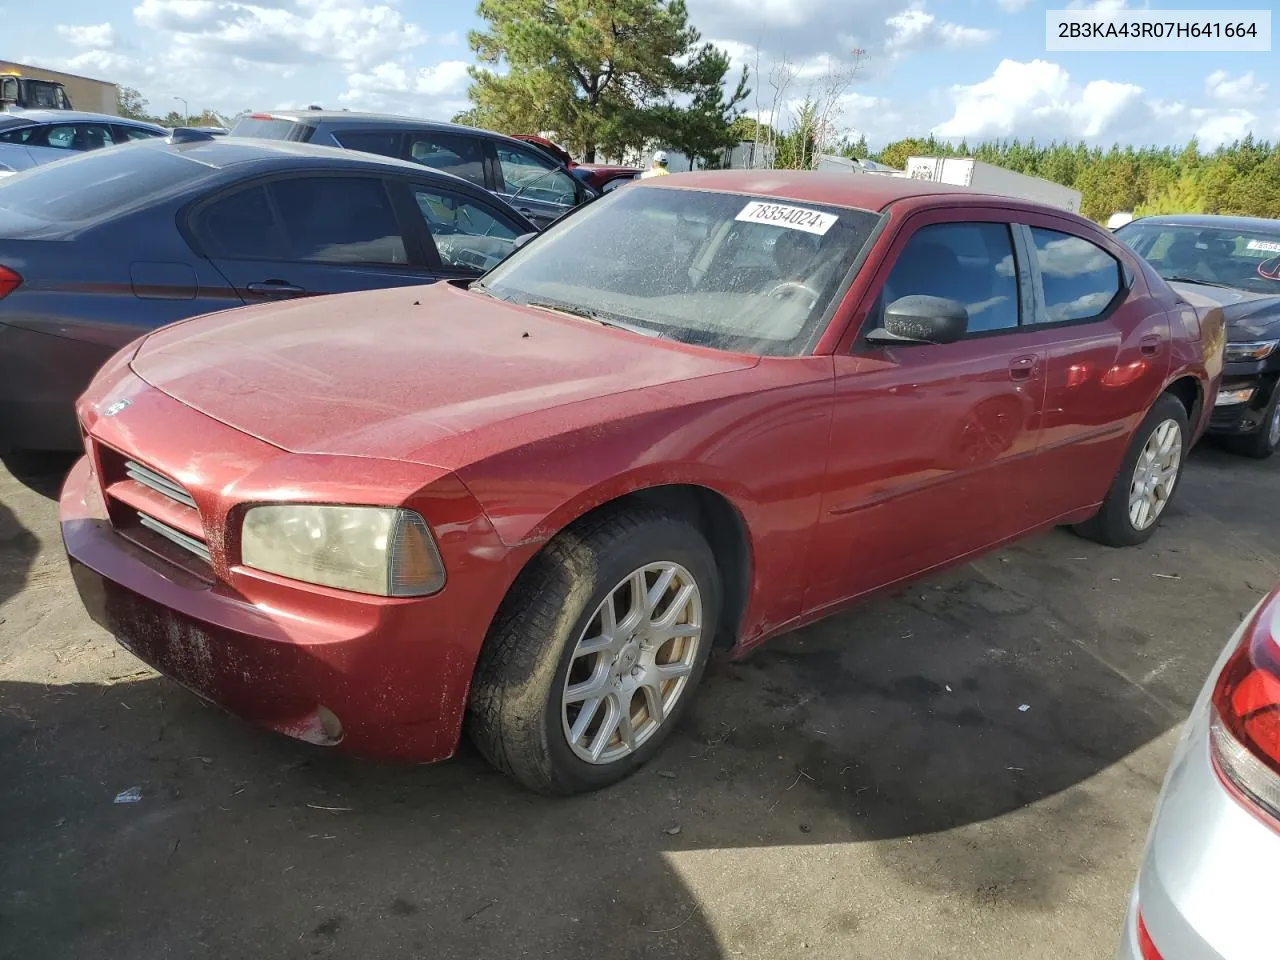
596	652
1147	478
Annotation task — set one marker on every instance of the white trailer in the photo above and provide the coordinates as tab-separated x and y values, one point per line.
967	172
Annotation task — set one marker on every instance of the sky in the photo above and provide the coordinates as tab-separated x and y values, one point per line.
954	68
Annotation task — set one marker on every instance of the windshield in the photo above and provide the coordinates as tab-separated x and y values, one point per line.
1244	259
734	272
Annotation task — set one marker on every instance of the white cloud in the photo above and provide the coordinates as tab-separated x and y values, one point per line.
1013	6
437	92
914	30
1039	99
348	32
96	36
1243	89
1102	6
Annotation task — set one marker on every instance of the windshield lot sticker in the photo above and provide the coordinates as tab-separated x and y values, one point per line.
1268	245
793	218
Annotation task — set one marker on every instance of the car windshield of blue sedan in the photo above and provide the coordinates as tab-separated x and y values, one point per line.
725	270
1217	256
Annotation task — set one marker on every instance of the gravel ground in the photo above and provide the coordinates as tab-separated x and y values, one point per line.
964	769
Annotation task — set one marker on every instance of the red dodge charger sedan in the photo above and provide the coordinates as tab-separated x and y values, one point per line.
705	410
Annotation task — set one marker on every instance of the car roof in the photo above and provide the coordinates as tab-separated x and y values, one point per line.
15	117
1210	220
223	152
356	120
862	191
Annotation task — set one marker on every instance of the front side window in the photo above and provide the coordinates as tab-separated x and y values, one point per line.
339	220
467	236
532	177
730	271
970	263
460	155
1216	256
1080	279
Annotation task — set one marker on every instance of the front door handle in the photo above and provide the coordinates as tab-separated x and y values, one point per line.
1023	368
1150	344
275	288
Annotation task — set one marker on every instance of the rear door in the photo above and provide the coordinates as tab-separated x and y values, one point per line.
535	185
310	234
1107	361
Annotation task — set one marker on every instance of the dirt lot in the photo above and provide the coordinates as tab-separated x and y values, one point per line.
869	787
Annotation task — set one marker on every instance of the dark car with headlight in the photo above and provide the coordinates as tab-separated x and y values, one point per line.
1232	263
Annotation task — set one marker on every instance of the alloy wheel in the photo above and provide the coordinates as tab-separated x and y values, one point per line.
632	662
1155	474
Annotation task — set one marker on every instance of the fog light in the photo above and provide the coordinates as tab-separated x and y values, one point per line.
1234	395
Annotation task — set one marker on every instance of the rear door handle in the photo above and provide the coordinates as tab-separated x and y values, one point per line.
1023	368
1150	345
275	288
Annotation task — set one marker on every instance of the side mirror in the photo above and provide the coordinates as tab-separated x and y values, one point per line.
920	319
521	240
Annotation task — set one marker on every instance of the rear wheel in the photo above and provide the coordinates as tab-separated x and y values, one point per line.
1263	442
1147	478
596	652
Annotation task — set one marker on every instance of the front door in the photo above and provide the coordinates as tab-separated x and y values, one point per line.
535	185
301	236
932	445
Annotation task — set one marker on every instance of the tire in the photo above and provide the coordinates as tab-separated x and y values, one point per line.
1262	442
517	715
1113	525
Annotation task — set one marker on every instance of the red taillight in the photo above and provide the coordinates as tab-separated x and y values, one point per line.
9	282
1146	949
1244	728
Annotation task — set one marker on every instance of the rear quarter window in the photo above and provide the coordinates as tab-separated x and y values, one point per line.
270	128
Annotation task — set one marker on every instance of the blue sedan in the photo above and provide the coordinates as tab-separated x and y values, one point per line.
105	246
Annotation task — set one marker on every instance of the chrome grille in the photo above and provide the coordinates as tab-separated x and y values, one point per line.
162	485
190	544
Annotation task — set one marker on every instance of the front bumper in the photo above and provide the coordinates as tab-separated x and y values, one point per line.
1238	419
394	673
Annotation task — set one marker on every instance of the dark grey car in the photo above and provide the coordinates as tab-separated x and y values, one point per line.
105	246
531	180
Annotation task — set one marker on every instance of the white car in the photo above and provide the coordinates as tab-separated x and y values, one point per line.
1206	888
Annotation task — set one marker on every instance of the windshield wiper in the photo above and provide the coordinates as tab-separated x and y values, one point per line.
1176	278
596	316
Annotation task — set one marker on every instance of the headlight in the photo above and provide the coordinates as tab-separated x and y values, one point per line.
378	550
1253	350
1228	396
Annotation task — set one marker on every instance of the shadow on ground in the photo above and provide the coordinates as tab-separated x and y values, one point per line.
906	726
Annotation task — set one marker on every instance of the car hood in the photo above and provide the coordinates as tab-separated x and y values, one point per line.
1249	315
387	373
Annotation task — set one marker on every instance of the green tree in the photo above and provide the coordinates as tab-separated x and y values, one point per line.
131	105
855	150
603	74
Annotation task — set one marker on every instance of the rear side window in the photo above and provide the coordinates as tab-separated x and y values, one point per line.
1080	279
77	136
339	220
240	226
462	156
971	263
383	143
85	186
125	134
269	128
